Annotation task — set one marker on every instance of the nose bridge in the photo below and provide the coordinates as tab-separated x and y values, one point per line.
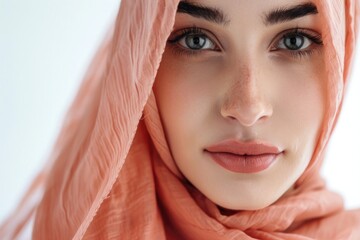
245	100
244	88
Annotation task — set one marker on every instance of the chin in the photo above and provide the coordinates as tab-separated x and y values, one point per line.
250	205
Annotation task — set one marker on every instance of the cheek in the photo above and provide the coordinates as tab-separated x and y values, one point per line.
186	91
182	102
301	93
301	109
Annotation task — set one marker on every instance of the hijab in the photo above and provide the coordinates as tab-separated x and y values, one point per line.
111	174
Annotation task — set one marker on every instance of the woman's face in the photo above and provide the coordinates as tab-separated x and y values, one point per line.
249	72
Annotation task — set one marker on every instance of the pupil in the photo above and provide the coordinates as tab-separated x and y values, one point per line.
294	43
195	42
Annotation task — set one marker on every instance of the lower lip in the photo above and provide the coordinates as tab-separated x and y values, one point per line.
244	164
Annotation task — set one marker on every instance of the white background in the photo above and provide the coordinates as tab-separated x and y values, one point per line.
45	47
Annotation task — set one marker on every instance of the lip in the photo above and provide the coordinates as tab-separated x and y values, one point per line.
243	157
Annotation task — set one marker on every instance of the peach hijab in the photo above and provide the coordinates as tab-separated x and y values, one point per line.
111	174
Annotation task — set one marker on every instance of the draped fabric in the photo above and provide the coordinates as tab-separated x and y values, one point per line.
112	176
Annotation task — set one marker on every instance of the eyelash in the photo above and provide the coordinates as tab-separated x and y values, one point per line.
183	33
315	38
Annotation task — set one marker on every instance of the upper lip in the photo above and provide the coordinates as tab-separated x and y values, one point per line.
238	147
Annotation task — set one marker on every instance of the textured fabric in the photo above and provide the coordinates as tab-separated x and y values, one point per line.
112	176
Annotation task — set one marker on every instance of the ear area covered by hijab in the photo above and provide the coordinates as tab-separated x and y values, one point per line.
111	174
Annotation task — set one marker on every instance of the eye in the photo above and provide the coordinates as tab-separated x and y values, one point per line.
294	41
192	40
297	42
196	42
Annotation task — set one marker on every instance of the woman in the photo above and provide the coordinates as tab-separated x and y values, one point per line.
203	120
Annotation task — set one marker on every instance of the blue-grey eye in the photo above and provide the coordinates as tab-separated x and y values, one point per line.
196	42
294	42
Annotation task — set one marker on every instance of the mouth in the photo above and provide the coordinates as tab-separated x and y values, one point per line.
244	157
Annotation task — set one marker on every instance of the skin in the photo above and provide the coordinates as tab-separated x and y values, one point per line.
244	85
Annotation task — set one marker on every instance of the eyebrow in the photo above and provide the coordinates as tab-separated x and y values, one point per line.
200	11
276	16
286	14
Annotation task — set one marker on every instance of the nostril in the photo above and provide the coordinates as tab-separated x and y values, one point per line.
249	114
246	102
232	118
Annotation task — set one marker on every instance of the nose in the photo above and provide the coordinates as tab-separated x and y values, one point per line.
245	101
